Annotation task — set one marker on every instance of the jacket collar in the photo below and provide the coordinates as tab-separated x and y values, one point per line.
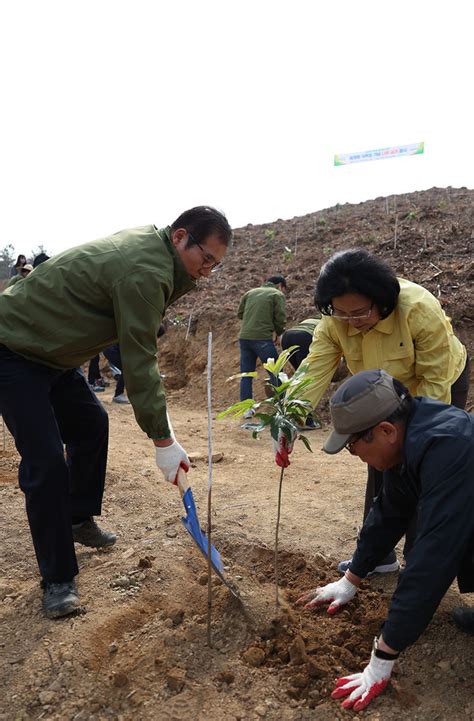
182	281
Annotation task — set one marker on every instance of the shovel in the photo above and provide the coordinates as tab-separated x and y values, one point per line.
191	524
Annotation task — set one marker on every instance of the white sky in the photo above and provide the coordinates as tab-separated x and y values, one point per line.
118	113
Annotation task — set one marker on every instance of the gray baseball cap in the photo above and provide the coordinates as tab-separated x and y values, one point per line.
361	402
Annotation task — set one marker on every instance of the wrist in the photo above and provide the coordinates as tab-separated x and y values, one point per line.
163	442
384	651
352	578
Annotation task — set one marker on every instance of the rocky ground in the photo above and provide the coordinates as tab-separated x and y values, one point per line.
139	648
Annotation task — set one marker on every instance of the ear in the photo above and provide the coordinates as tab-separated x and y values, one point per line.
178	235
389	431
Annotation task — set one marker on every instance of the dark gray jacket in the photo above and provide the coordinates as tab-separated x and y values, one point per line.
436	480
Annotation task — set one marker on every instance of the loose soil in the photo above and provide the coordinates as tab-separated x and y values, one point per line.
139	647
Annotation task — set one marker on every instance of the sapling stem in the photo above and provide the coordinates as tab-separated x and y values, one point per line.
280	486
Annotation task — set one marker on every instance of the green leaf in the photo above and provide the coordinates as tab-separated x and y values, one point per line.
250	374
237	409
305	442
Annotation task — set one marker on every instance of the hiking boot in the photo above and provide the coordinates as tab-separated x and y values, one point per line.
463	617
121	398
248	414
89	534
59	599
389	567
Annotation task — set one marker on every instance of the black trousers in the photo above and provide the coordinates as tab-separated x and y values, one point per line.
300	338
112	353
459	393
48	411
93	373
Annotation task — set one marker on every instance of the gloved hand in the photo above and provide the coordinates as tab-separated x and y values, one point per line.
363	687
338	594
282	448
170	458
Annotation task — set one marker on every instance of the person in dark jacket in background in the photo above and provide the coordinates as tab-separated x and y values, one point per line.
115	289
425	449
40	258
262	312
302	336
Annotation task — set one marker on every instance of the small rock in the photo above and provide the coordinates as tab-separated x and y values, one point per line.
300	680
203	579
120	679
175	678
444	665
46	697
315	669
128	553
297	651
171	532
176	615
146	562
260	711
113	648
226	676
254	656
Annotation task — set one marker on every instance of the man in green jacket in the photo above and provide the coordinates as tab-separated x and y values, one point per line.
111	290
262	312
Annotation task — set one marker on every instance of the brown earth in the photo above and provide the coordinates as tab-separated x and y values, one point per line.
139	649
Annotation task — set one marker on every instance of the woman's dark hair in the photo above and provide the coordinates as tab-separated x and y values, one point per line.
21	260
357	271
203	221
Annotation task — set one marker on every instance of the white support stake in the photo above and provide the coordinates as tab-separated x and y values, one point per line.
209	485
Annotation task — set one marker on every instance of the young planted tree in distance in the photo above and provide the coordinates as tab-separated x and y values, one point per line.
282	412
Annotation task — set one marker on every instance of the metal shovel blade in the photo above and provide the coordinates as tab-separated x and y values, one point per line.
192	525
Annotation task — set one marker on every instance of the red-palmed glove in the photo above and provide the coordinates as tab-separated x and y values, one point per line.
170	458
361	688
283	447
337	594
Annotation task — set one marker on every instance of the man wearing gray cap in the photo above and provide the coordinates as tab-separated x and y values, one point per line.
426	450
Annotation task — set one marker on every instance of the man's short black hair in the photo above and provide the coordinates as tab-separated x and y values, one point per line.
357	271
203	221
277	280
40	258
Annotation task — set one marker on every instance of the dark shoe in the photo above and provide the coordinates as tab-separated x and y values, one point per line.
60	599
463	617
311	424
89	534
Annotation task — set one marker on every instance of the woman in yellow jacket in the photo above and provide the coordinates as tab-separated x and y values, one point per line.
376	320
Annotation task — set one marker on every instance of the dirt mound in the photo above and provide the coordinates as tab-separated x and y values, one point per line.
426	236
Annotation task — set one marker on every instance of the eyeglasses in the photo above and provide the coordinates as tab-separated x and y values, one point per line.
207	258
356	314
356	437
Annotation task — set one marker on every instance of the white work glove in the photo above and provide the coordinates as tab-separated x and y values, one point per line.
282	449
361	688
170	458
337	594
